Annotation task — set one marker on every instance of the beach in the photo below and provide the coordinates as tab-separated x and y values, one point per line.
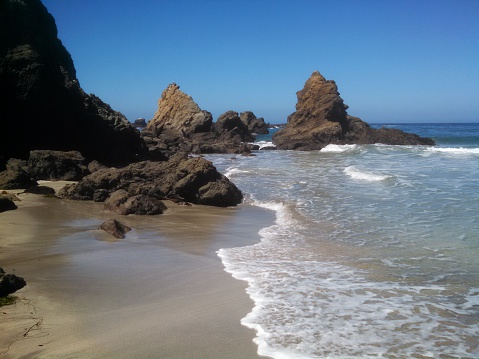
161	292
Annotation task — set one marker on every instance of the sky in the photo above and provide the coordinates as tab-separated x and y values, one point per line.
394	61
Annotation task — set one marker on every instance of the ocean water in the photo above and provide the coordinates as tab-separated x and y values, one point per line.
374	252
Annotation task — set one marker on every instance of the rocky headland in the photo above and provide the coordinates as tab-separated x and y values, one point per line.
321	119
42	105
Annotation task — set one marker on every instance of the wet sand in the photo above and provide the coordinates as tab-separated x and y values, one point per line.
161	292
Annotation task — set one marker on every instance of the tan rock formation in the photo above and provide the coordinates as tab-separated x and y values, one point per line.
178	113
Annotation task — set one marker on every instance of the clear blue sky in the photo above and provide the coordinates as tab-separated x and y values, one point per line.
393	61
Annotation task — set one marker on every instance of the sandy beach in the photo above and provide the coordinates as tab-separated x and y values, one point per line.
161	292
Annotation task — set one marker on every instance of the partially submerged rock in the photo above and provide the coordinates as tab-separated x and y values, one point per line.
321	119
10	283
115	228
193	180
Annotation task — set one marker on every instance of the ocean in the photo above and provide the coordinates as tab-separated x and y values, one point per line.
374	252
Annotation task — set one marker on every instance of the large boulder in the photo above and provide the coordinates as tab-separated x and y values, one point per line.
42	105
179	178
321	119
121	202
57	165
10	283
16	175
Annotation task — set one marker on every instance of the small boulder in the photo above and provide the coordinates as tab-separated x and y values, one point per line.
6	204
45	190
115	228
10	283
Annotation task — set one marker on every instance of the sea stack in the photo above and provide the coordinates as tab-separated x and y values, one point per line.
321	119
42	105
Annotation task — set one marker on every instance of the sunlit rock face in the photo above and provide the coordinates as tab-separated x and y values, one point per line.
321	119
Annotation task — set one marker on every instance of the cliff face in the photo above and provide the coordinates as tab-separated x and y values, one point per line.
42	105
321	118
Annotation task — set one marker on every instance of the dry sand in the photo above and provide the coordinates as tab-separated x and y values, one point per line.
161	292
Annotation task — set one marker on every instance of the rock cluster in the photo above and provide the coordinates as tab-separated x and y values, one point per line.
42	105
180	178
180	124
321	119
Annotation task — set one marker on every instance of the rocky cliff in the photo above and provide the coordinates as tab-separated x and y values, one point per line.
321	119
42	105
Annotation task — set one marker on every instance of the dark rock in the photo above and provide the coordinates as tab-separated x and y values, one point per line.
254	124
140	123
115	228
100	195
94	166
180	177
6	204
121	202
45	190
230	126
16	175
57	165
10	283
321	119
41	99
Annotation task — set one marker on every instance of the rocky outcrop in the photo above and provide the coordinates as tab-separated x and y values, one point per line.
56	165
255	125
10	283
193	180
180	124
42	105
115	228
321	119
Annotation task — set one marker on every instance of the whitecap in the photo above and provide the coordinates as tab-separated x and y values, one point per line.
357	174
338	148
453	151
232	171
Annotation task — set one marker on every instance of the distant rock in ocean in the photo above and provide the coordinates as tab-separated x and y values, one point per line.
42	105
180	124
321	119
140	123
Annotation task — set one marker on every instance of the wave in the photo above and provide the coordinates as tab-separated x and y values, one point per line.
232	171
339	148
455	151
356	174
263	144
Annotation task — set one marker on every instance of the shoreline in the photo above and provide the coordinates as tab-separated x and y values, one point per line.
160	292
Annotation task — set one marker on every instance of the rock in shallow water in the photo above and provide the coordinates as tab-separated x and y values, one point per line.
10	283
115	228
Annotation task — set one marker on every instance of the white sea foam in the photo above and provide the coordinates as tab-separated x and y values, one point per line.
453	151
357	174
263	144
232	171
339	148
